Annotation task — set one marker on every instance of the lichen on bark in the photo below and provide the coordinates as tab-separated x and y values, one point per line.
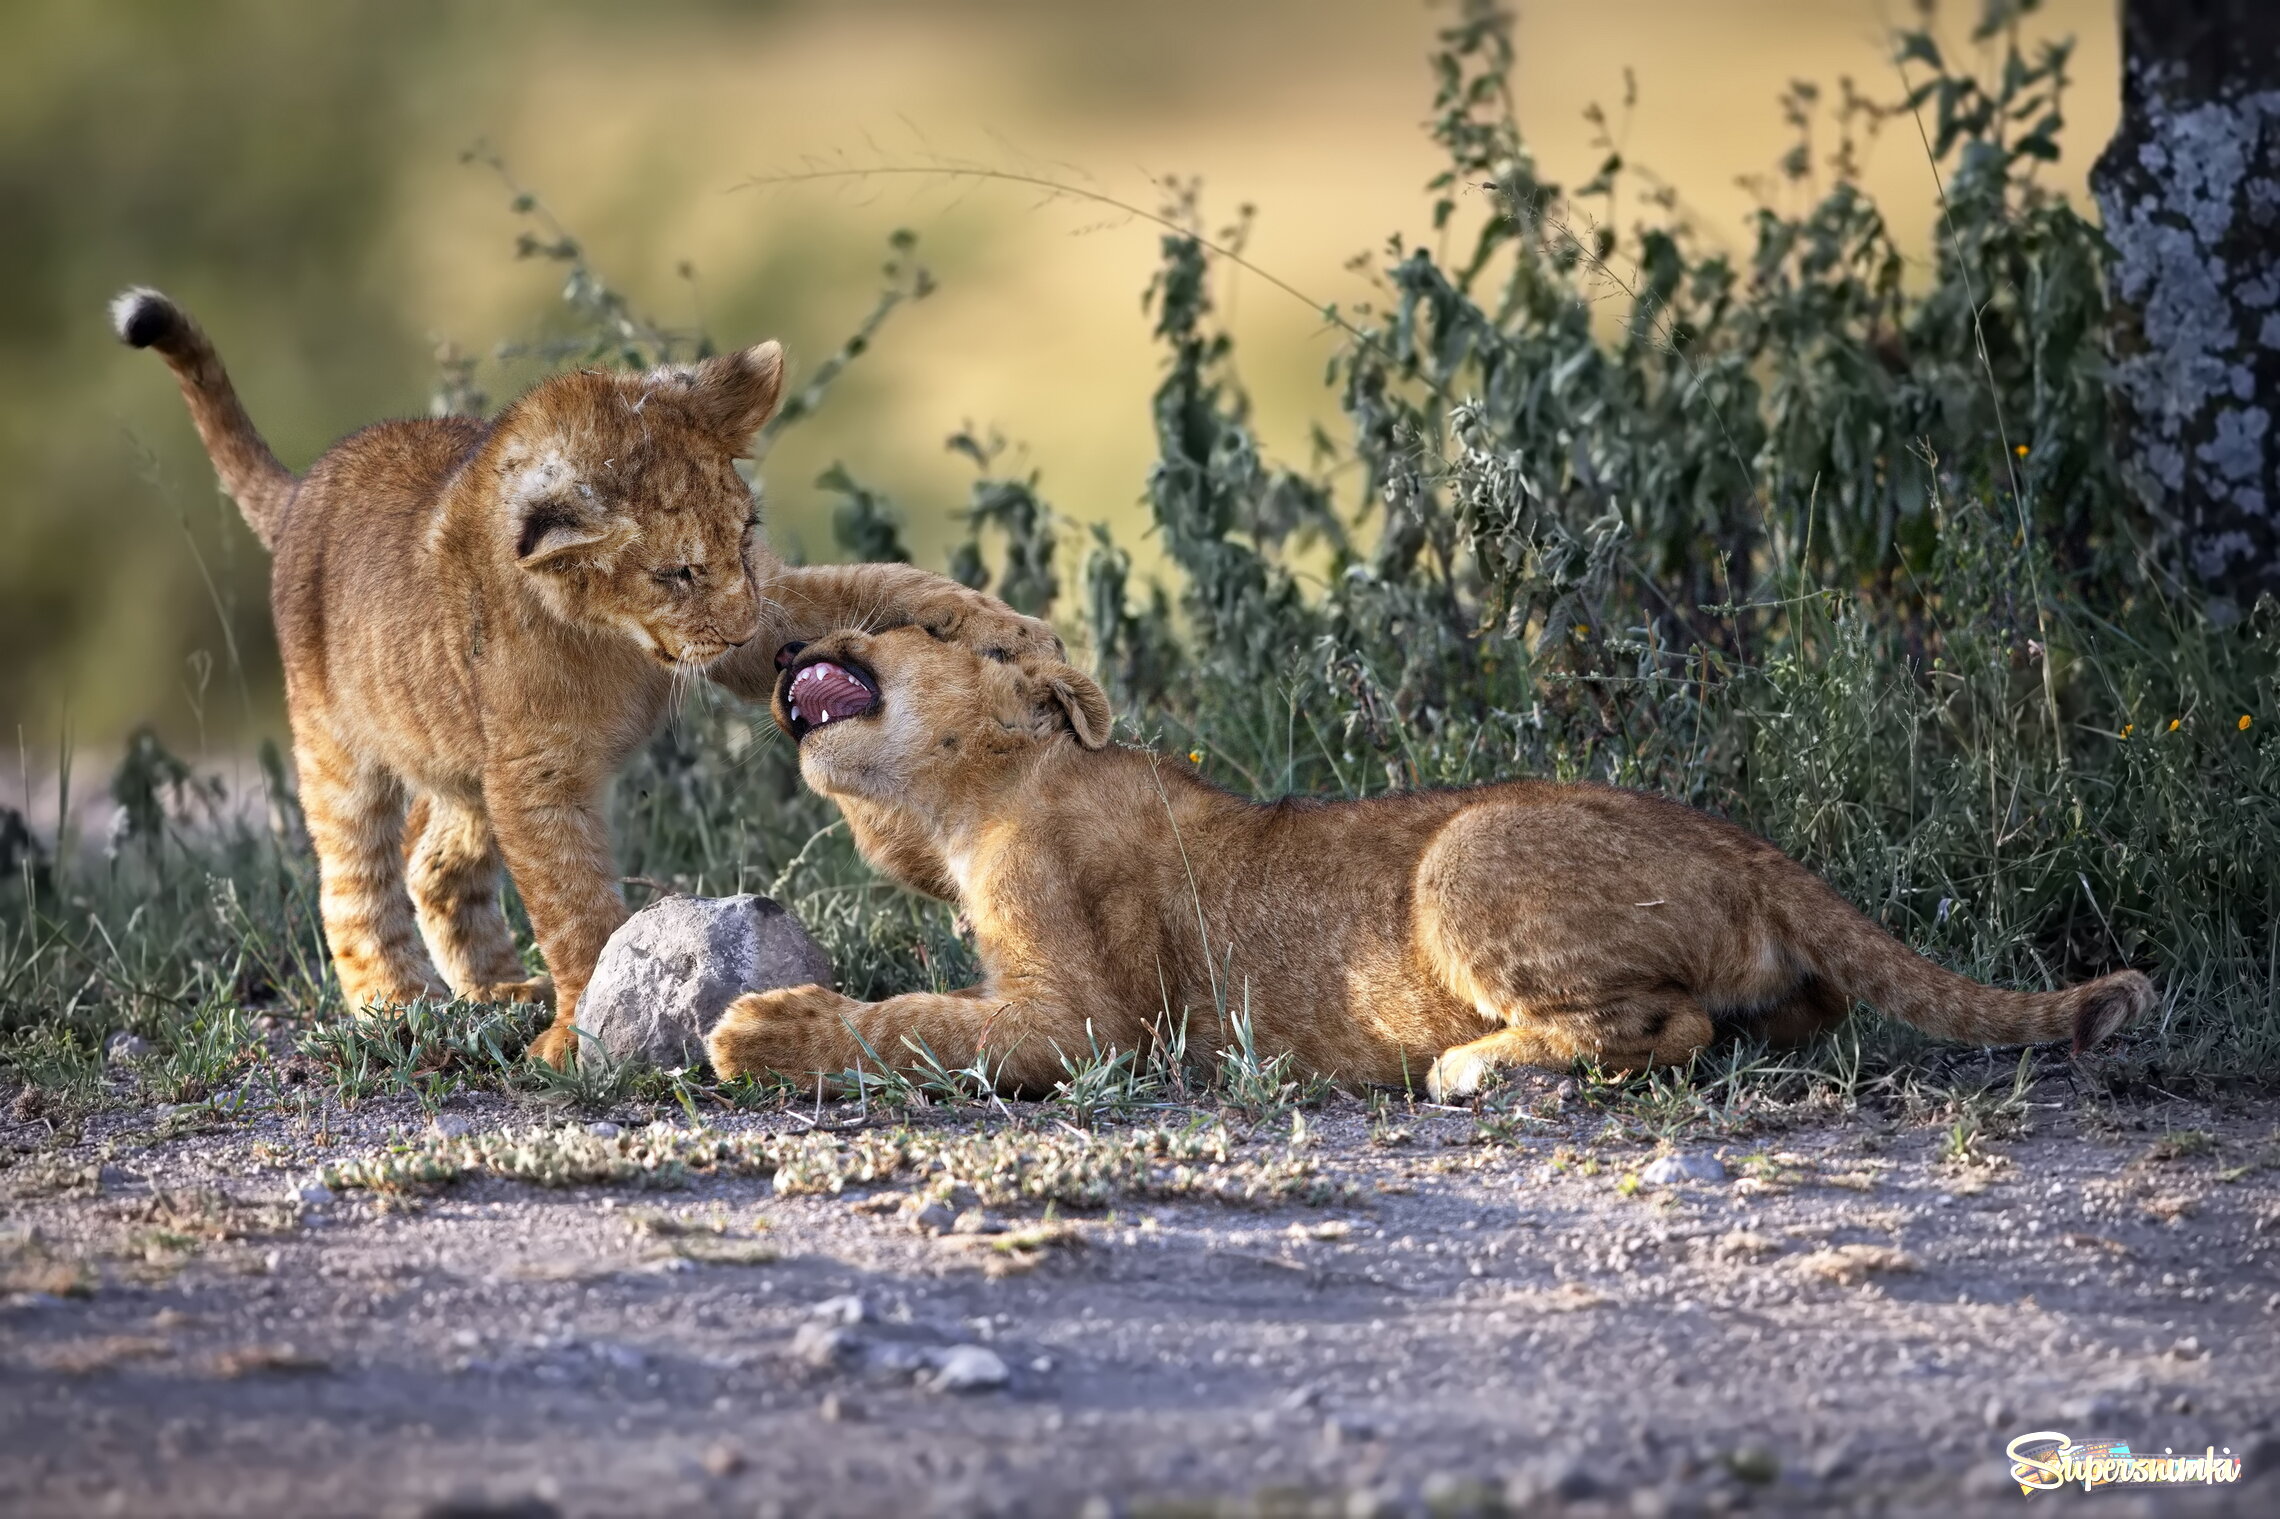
2189	190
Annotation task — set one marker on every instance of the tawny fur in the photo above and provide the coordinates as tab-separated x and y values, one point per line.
484	620
1114	894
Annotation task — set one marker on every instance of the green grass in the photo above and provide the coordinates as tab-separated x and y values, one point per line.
1837	553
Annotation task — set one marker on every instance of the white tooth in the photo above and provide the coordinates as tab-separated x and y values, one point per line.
795	706
824	718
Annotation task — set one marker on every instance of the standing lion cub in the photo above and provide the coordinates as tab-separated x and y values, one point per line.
481	620
1375	939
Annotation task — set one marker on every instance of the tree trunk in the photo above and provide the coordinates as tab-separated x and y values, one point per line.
2190	192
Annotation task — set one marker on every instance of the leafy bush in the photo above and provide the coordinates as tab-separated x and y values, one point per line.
1806	540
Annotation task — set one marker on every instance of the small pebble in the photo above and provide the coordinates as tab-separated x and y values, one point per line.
970	1368
823	1345
451	1126
844	1309
602	1128
1670	1170
123	1048
840	1410
724	1460
932	1218
1754	1464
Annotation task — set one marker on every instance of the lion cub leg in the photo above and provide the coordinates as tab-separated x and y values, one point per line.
556	844
453	870
1514	915
801	1031
1806	1012
356	820
1624	1033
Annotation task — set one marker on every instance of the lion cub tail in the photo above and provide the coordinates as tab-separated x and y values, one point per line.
250	472
1861	960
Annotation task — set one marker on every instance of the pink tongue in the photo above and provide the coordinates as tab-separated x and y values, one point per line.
827	691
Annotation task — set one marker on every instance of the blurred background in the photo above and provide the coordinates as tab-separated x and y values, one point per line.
294	173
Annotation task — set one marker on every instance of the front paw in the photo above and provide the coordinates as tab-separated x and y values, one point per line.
740	1043
1457	1075
991	628
538	989
793	1031
558	1046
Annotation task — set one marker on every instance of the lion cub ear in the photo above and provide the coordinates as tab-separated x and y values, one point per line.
551	535
734	394
1082	700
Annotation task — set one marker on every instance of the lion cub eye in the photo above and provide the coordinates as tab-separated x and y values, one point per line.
679	574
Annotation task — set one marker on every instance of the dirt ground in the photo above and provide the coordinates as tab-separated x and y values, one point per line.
1524	1316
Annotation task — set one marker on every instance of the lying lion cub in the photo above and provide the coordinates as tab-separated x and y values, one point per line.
1108	887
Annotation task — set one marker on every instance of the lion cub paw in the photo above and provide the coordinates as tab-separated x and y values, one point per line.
736	1045
1458	1074
538	989
558	1046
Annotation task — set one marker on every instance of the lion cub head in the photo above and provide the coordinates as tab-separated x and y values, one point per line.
618	500
903	719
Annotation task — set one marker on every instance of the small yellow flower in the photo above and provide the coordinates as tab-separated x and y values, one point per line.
2128	729
2175	723
1195	756
2245	720
1582	630
2021	450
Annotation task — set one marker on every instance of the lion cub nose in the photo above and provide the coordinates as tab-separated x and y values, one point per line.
788	653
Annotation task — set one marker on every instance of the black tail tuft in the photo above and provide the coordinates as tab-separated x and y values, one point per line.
145	319
2109	1005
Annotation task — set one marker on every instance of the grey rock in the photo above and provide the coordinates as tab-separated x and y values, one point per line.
1754	1464
672	968
1448	1494
1379	1502
451	1125
900	1358
1300	1398
602	1128
123	1048
824	1345
846	1309
970	1368
1671	1170
1547	1478
1650	1503
932	1218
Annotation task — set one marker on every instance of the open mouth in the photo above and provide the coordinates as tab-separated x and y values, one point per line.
825	691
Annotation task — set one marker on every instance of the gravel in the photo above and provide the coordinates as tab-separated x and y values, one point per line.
186	1328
